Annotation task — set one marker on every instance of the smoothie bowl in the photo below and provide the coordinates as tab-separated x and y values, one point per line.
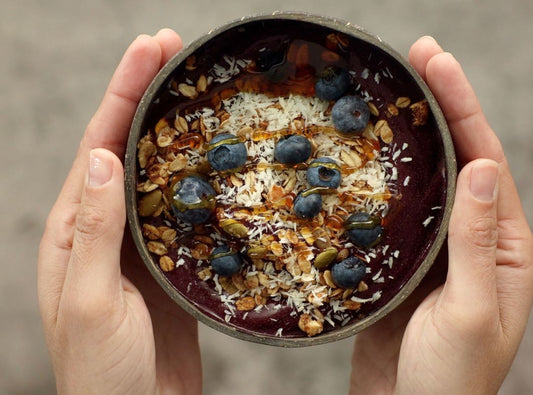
289	179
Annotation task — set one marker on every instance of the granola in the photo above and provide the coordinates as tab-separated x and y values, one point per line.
286	260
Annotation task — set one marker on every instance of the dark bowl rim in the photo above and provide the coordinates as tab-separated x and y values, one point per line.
130	165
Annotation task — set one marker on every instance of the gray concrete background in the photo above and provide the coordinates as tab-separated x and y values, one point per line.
57	57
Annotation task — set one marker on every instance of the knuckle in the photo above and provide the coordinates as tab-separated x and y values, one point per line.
482	233
473	323
90	222
88	312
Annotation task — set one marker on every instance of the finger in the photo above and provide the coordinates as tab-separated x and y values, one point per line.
170	44
472	135
421	52
470	130
94	265
472	241
108	129
110	125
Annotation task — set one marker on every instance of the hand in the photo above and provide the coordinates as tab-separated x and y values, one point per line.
103	337
459	337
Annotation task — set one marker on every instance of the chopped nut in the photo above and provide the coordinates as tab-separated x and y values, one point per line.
309	325
420	112
204	239
160	125
304	261
166	263
147	186
276	193
156	247
336	293
205	274
245	304
343	254
362	287
200	251
351	305
348	292
260	300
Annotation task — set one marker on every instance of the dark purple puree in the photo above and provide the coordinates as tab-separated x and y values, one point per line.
408	227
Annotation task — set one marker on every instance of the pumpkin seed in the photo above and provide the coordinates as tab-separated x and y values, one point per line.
234	228
257	252
325	258
149	203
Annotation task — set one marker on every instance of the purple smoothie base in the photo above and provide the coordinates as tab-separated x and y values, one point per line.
404	228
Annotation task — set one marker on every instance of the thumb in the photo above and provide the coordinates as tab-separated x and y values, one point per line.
94	267
472	240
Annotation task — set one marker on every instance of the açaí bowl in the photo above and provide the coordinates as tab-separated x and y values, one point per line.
279	292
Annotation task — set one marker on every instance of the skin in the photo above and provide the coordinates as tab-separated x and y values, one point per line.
459	333
103	336
111	330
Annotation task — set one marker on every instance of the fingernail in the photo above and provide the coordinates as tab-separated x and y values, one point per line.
483	181
100	168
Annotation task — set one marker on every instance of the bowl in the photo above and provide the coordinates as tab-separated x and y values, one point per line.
258	210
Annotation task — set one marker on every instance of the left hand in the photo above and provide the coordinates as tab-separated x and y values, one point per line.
103	336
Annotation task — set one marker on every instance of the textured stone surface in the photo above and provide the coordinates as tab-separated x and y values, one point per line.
57	57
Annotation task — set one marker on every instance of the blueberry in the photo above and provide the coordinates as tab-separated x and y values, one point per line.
193	200
363	229
348	272
332	83
307	205
324	172
225	262
292	149
226	152
350	114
